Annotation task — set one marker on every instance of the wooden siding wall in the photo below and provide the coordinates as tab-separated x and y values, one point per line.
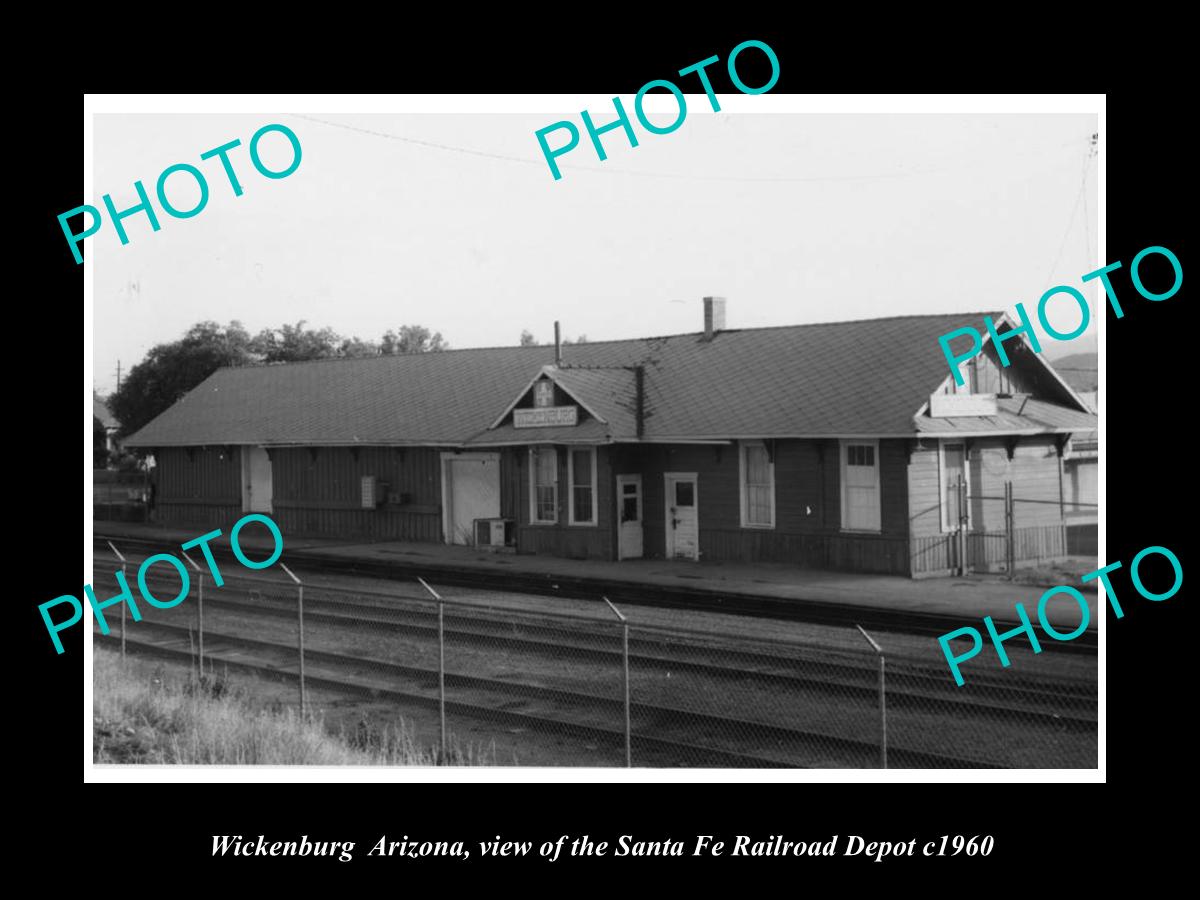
1023	375
1082	479
1035	472
984	374
312	494
561	539
807	505
320	493
199	486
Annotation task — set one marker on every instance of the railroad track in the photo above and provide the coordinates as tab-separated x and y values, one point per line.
996	698
672	597
418	686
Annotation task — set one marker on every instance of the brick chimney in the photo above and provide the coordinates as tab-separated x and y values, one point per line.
714	316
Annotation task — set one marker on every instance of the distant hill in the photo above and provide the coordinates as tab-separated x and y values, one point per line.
1056	350
1079	370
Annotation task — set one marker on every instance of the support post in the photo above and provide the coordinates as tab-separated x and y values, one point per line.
882	697
441	665
625	682
1009	523
960	488
299	633
125	575
199	609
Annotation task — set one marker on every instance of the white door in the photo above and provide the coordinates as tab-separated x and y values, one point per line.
256	480
683	527
472	488
629	512
860	472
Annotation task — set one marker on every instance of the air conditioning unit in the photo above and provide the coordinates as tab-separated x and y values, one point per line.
492	532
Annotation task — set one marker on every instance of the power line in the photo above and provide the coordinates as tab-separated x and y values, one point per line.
420	143
1080	197
1087	228
434	145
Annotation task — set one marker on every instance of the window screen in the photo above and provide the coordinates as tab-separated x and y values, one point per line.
545	484
758	487
582	492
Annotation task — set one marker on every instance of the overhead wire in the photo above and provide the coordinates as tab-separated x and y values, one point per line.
1080	197
606	170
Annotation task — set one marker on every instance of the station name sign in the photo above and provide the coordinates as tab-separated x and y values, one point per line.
950	405
545	416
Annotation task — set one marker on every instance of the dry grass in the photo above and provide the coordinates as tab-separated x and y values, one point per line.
145	712
1066	571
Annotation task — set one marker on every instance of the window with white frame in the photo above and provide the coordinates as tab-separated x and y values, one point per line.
860	486
581	473
543	485
757	476
954	478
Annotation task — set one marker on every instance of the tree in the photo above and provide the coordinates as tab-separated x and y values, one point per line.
171	370
412	339
528	340
99	444
295	343
355	348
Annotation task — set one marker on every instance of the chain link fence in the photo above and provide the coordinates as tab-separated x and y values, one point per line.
485	682
120	496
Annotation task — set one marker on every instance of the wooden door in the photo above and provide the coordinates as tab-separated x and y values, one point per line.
629	517
683	522
256	480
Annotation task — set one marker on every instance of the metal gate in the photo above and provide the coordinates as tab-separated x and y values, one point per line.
1015	543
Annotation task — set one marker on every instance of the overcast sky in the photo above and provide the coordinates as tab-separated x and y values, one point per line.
792	218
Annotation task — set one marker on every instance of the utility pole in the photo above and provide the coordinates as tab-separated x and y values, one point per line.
118	376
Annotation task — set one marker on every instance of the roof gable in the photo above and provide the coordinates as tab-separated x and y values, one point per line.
1031	371
606	396
554	375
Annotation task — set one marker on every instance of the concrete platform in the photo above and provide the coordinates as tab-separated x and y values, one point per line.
768	585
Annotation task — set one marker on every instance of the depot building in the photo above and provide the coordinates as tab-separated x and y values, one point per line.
838	446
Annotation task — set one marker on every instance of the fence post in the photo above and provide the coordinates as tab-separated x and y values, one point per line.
300	630
125	575
882	698
1010	549
958	532
625	682
199	609
441	664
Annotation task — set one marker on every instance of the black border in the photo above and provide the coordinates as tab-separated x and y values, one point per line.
1147	416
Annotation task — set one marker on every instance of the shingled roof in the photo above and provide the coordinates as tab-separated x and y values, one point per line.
845	379
101	411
